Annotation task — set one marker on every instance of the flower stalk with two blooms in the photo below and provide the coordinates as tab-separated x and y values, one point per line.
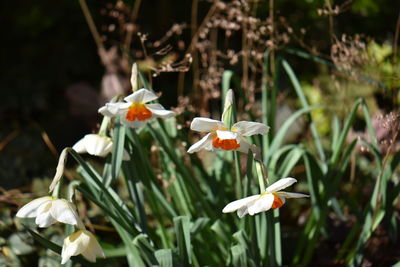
222	136
51	209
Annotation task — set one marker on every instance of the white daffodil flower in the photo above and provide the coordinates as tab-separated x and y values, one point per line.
134	112
221	137
81	242
97	145
272	198
49	210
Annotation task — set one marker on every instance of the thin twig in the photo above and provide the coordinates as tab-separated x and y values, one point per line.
52	148
142	38
202	25
245	58
196	71
272	53
330	18
92	26
8	139
396	39
129	33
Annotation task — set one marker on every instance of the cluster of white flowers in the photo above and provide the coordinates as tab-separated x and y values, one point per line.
49	210
135	112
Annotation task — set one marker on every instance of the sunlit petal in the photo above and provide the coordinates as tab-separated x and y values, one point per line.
64	211
113	109
74	244
29	210
242	211
93	250
98	145
204	143
134	76
238	204
262	204
281	184
226	134
160	111
247	128
80	146
200	124
44	217
244	146
291	195
81	242
141	96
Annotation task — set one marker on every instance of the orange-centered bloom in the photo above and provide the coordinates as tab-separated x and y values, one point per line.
138	112
135	111
272	198
223	138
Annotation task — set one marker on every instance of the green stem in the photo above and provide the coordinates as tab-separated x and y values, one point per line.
239	191
104	125
56	191
261	173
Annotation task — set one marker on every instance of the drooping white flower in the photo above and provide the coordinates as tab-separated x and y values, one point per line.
49	210
272	198
81	242
96	145
219	136
134	112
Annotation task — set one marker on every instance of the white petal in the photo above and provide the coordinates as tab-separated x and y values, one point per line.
247	128
60	169
229	100
89	255
240	203
93	249
133	124
74	244
113	109
80	146
200	124
160	111
141	96
105	111
64	211
227	135
281	184
29	210
244	146
291	195
134	76
44	218
95	246
242	211
98	145
262	204
204	143
65	249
